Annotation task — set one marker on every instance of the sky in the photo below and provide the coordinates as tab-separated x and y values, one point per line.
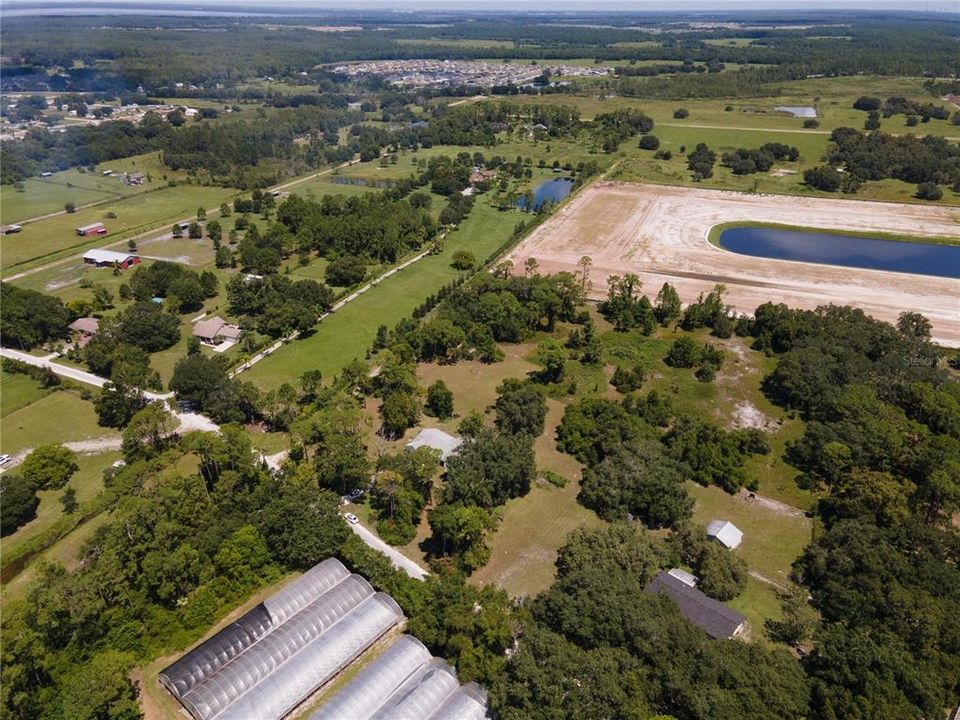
543	5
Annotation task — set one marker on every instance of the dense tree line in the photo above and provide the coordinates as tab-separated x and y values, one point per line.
876	156
596	645
882	443
30	318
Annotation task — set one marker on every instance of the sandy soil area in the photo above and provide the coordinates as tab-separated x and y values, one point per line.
660	233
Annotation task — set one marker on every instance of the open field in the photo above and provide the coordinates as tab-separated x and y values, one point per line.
660	233
773	536
523	548
18	391
56	235
61	416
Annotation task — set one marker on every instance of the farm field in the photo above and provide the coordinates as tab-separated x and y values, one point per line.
47	195
347	333
635	228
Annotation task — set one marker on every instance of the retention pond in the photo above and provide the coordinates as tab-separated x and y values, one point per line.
919	258
554	190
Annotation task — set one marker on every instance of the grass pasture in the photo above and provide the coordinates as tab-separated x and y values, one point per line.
55	237
523	548
773	537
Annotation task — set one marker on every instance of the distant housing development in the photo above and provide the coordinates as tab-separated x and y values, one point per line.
439	73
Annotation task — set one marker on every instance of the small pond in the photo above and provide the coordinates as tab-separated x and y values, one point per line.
802	111
844	250
554	190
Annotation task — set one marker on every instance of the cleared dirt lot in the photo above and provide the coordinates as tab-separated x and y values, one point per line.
660	233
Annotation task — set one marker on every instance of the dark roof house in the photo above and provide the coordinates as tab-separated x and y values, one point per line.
712	616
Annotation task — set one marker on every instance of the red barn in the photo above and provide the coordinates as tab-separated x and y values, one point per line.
109	258
92	230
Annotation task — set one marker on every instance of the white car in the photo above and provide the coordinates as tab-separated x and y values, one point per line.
352	519
4	459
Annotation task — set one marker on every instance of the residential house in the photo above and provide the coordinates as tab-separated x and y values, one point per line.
85	328
215	330
448	445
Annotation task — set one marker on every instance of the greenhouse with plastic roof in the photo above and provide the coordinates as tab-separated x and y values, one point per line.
405	683
272	659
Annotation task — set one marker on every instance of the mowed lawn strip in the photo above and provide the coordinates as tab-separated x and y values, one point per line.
347	333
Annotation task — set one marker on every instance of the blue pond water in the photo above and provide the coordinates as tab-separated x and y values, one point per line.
844	250
554	190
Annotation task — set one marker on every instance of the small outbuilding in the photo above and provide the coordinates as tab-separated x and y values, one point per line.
109	258
712	616
447	444
725	533
92	230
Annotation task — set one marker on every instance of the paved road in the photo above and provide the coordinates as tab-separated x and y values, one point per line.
399	560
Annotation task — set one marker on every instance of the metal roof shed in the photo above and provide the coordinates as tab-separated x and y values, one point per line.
725	533
447	444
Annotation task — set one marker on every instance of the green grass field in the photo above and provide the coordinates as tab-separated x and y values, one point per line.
523	548
18	391
347	334
772	539
47	195
61	416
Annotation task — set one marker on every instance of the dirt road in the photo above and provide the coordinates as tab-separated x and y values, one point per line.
660	233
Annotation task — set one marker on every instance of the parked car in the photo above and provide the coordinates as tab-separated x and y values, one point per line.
355	494
4	459
352	519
